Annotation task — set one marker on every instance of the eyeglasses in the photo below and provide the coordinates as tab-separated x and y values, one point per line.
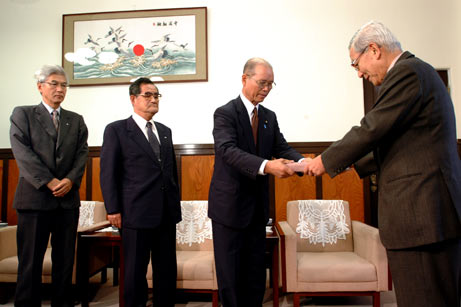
54	84
355	63
149	95
263	83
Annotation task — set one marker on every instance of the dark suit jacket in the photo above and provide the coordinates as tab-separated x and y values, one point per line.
42	154
412	133
236	187
133	181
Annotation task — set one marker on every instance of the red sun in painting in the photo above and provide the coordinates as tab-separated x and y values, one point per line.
138	50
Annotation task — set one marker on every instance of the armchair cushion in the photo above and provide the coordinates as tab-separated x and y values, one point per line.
196	266
334	267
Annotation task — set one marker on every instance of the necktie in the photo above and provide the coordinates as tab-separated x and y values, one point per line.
153	140
55	117
254	124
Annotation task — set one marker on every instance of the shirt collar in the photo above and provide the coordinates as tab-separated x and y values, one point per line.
141	122
50	109
393	62
248	105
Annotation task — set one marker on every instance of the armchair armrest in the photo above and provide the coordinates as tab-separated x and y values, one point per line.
288	256
367	244
8	247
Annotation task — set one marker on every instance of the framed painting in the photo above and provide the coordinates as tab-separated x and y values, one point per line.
168	45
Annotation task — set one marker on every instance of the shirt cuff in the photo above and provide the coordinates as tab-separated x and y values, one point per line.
262	167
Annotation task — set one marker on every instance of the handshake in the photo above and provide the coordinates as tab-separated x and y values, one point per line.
283	168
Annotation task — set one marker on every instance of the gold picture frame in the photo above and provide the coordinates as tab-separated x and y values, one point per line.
167	45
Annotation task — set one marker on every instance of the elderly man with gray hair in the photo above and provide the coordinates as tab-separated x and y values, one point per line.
409	140
50	148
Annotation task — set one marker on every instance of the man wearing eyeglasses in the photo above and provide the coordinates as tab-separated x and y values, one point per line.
409	139
139	184
49	144
246	138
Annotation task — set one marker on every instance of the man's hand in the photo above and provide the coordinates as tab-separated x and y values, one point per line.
59	187
314	167
115	220
279	168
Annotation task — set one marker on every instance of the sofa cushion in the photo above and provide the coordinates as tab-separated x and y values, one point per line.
334	267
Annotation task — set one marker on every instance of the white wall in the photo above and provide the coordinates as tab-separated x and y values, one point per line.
318	96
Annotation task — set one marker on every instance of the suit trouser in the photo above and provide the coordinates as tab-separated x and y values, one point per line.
159	245
240	263
427	275
33	233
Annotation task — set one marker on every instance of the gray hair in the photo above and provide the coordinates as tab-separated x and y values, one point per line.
47	70
374	32
250	65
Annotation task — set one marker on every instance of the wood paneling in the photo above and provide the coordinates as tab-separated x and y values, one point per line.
292	188
1	191
96	193
196	173
195	168
346	186
82	191
13	177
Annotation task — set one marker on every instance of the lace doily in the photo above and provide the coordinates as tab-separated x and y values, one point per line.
86	213
322	221
195	226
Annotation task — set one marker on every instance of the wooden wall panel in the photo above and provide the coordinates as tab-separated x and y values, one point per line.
82	190
13	178
196	173
292	188
346	186
95	183
1	190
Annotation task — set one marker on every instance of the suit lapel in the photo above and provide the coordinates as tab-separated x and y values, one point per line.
64	126
245	123
139	138
44	118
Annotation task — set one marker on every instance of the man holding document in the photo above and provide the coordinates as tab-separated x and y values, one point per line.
409	140
246	137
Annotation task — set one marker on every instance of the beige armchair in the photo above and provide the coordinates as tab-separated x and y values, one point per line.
324	253
194	251
92	217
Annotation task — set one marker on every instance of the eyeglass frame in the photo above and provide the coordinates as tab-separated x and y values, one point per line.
151	95
269	84
355	63
54	85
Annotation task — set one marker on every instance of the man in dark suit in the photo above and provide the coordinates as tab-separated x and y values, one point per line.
139	183
409	139
239	194
50	148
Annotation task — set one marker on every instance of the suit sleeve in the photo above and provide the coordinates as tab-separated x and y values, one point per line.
366	165
226	139
110	170
81	154
31	166
396	107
